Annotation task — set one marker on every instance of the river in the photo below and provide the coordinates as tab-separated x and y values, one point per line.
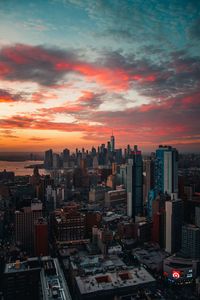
18	167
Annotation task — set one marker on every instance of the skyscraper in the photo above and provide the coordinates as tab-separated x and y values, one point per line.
191	241
148	176
166	170
48	159
173	225
112	143
41	237
66	157
56	161
24	224
135	184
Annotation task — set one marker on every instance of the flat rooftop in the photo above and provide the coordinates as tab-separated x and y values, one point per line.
130	278
150	257
51	275
53	281
18	266
97	263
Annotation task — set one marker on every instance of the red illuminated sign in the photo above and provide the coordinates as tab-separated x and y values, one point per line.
176	274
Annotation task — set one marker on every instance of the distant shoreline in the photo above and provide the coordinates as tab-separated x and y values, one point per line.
40	166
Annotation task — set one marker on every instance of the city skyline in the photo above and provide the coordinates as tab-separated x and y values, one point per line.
71	72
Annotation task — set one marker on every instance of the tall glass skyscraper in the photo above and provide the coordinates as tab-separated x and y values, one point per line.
166	170
112	143
135	184
48	159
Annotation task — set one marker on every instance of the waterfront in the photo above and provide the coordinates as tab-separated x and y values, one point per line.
19	167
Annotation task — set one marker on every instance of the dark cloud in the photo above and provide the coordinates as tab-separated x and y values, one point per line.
33	63
157	122
10	96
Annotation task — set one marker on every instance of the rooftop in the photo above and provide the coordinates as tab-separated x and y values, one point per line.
150	257
52	278
18	266
53	281
97	263
132	277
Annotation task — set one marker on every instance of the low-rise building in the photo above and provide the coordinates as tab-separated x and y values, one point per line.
116	197
111	284
179	270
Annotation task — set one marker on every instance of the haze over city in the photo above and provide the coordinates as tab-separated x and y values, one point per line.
73	71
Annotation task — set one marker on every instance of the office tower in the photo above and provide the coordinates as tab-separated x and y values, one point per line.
68	224
157	234
83	165
135	184
191	241
149	204
56	161
118	156
66	158
41	237
166	170
35	178
123	175
197	216
148	177
33	279
158	218
109	146
48	159
22	280
45	181
127	152
173	225
95	163
24	224
112	143
50	198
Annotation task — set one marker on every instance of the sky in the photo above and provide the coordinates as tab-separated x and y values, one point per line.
73	71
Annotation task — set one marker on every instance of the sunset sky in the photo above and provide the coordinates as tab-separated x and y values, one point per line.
71	71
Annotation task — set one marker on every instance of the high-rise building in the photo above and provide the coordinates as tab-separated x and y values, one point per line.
157	234
109	146
66	158
41	237
112	143
166	170
56	161
135	184
24	224
122	176
68	224
35	278
197	216
22	280
148	176
191	241
118	156
173	225
48	159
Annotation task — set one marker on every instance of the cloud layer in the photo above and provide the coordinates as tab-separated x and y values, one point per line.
84	69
